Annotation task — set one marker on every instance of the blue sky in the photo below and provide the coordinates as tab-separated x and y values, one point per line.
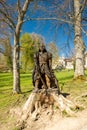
50	33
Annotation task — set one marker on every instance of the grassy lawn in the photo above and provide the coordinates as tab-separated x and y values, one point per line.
64	76
7	99
6	86
66	83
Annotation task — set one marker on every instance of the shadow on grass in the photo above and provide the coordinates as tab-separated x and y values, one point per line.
4	85
65	94
27	91
5	90
25	75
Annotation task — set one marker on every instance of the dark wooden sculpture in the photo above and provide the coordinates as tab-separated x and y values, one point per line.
43	76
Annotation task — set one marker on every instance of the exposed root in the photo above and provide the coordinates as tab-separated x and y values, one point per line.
46	101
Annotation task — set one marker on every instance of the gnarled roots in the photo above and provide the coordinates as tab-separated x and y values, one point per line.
45	99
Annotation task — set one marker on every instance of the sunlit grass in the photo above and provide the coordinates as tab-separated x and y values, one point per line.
64	76
7	99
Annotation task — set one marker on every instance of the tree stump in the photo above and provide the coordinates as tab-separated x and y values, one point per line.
45	99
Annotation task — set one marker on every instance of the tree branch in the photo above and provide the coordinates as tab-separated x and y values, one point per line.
7	22
83	6
24	9
54	18
19	7
4	6
6	16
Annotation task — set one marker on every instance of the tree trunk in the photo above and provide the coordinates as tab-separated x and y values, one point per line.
16	65
16	55
78	42
16	58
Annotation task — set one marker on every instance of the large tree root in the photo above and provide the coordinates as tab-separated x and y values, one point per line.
46	99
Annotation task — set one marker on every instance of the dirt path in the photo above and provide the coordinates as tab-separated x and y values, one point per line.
61	123
71	123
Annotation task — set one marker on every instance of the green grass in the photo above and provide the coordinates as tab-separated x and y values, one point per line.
66	84
7	99
64	76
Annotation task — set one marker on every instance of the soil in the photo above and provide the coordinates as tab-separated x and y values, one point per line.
50	121
59	122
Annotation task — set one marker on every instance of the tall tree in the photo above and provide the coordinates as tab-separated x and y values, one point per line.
78	42
16	59
8	14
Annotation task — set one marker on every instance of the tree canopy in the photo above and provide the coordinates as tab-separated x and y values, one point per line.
29	45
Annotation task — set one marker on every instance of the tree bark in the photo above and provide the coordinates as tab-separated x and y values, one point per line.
16	61
16	54
78	42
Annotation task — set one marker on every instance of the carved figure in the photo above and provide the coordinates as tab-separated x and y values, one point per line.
43	75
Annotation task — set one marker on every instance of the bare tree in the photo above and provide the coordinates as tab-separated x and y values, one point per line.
78	42
16	62
15	25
